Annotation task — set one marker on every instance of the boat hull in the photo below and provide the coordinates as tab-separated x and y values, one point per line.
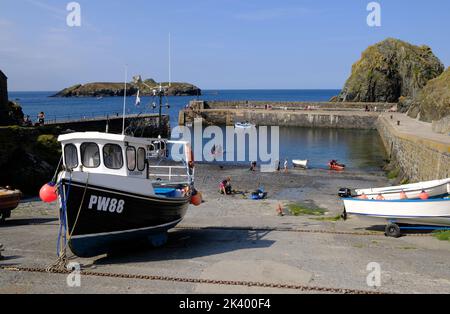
431	212
9	200
435	189
300	163
107	219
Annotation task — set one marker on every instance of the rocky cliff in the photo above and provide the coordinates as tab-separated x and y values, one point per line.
10	114
116	89
389	70
432	103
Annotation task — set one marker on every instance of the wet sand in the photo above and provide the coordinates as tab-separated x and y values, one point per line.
240	243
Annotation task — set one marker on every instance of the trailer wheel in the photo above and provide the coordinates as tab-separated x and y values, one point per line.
393	231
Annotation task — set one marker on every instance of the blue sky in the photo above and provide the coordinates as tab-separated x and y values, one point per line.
216	44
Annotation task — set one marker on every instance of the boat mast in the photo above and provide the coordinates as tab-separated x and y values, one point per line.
124	100
170	59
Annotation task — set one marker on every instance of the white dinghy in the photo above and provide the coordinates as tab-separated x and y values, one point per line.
300	163
432	212
244	125
437	188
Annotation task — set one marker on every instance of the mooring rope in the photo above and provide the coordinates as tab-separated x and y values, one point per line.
61	263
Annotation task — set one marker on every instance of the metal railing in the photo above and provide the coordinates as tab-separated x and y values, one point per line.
170	173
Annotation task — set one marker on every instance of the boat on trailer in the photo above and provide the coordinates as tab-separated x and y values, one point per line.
435	189
115	188
300	163
430	214
9	200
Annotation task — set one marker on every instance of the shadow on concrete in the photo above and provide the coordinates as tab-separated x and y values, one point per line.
12	222
8	258
188	244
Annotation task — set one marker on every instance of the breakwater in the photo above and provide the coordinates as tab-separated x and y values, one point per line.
414	149
298	118
114	124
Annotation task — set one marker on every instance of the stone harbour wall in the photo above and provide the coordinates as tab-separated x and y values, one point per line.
322	119
419	159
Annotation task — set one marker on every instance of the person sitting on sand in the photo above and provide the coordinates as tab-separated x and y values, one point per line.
253	166
225	186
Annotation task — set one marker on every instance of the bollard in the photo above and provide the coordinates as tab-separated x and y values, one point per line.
398	123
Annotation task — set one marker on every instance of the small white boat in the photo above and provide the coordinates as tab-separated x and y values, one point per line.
300	163
437	188
432	212
244	125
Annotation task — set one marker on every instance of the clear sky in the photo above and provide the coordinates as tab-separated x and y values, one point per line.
216	44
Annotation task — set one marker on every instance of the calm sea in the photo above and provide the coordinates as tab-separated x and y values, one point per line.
64	108
356	148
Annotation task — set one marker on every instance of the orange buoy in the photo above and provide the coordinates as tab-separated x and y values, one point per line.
197	199
403	196
48	193
424	196
363	197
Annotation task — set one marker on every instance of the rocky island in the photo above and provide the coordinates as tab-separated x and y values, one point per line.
146	88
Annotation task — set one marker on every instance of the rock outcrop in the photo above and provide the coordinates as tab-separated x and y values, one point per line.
389	70
116	89
432	103
11	114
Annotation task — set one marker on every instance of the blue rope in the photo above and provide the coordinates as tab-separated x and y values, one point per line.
62	214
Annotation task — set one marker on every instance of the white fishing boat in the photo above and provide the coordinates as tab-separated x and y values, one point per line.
300	163
432	212
244	125
437	188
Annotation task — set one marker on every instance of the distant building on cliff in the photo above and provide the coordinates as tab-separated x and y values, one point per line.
3	89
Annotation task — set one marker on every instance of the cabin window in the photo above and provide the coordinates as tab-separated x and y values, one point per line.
131	158
141	159
90	155
71	156
112	156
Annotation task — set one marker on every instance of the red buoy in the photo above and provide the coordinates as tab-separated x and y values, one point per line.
197	199
48	193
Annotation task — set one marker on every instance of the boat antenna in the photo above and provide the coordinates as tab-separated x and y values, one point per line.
124	100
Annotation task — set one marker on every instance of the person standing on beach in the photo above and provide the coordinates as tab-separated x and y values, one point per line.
286	164
278	166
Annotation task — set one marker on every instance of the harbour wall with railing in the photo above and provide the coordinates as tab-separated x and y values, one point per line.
146	123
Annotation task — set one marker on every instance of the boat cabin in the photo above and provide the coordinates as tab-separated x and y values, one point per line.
121	155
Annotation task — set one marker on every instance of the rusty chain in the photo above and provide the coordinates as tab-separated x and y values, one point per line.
301	288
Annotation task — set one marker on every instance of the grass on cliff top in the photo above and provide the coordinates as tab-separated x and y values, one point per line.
305	210
442	235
